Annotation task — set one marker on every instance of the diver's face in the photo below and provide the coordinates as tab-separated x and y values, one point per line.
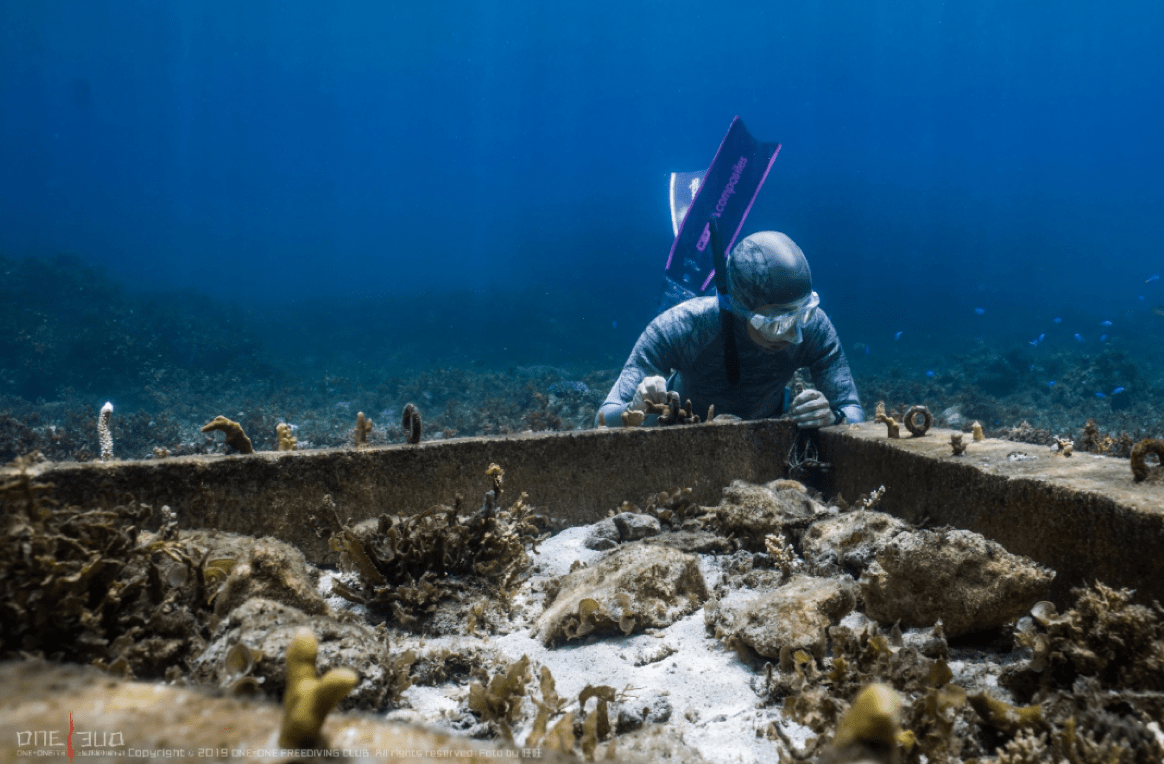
773	336
774	346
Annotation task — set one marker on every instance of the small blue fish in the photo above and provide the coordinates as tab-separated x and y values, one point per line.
1058	320
1042	337
1100	395
1078	337
867	350
1051	383
1153	277
980	311
1103	338
1117	391
1105	323
613	324
897	336
1032	367
930	373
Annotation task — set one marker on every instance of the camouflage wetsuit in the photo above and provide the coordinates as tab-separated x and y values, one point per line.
686	340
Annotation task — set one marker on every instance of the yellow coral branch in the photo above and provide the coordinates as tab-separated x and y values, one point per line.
309	697
363	428
874	717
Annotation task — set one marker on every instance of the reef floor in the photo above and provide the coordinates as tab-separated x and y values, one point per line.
744	635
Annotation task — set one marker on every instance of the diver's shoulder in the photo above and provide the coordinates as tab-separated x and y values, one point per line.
688	310
690	320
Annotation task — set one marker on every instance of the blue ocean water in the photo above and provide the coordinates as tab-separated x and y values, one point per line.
499	170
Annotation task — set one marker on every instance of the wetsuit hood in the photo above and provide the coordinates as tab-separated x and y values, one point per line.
767	268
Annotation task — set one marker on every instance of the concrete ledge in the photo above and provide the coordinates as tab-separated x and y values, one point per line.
577	476
1081	515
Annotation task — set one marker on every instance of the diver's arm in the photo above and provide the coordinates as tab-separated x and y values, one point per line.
610	414
618	400
646	361
830	369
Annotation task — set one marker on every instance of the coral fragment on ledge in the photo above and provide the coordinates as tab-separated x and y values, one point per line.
235	437
1141	470
910	420
410	421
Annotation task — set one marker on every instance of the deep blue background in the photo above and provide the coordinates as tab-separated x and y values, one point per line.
938	157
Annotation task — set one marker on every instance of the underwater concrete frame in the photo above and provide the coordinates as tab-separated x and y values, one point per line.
1081	515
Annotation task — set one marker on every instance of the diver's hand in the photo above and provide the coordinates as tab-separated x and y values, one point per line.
653	389
811	409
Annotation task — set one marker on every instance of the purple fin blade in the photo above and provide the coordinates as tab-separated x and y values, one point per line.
728	191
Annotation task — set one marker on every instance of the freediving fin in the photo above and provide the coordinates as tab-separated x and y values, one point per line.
726	192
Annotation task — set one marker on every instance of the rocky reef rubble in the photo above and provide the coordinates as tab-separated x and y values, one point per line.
939	615
793	616
634	588
967	582
197	607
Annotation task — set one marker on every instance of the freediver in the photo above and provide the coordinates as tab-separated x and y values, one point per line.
766	309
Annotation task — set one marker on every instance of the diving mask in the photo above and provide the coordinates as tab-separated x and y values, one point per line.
783	323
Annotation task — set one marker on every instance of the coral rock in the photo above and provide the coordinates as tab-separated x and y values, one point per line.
797	616
956	576
625	526
604	535
633	418
267	628
273	570
1141	469
849	541
364	427
752	512
635	527
893	428
637	587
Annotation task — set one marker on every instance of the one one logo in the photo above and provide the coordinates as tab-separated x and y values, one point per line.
45	741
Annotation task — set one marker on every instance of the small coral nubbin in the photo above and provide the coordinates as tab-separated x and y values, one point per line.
411	423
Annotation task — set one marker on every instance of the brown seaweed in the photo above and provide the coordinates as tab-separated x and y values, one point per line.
405	565
87	586
499	702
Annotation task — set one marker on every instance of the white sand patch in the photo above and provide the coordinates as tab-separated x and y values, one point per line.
713	706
